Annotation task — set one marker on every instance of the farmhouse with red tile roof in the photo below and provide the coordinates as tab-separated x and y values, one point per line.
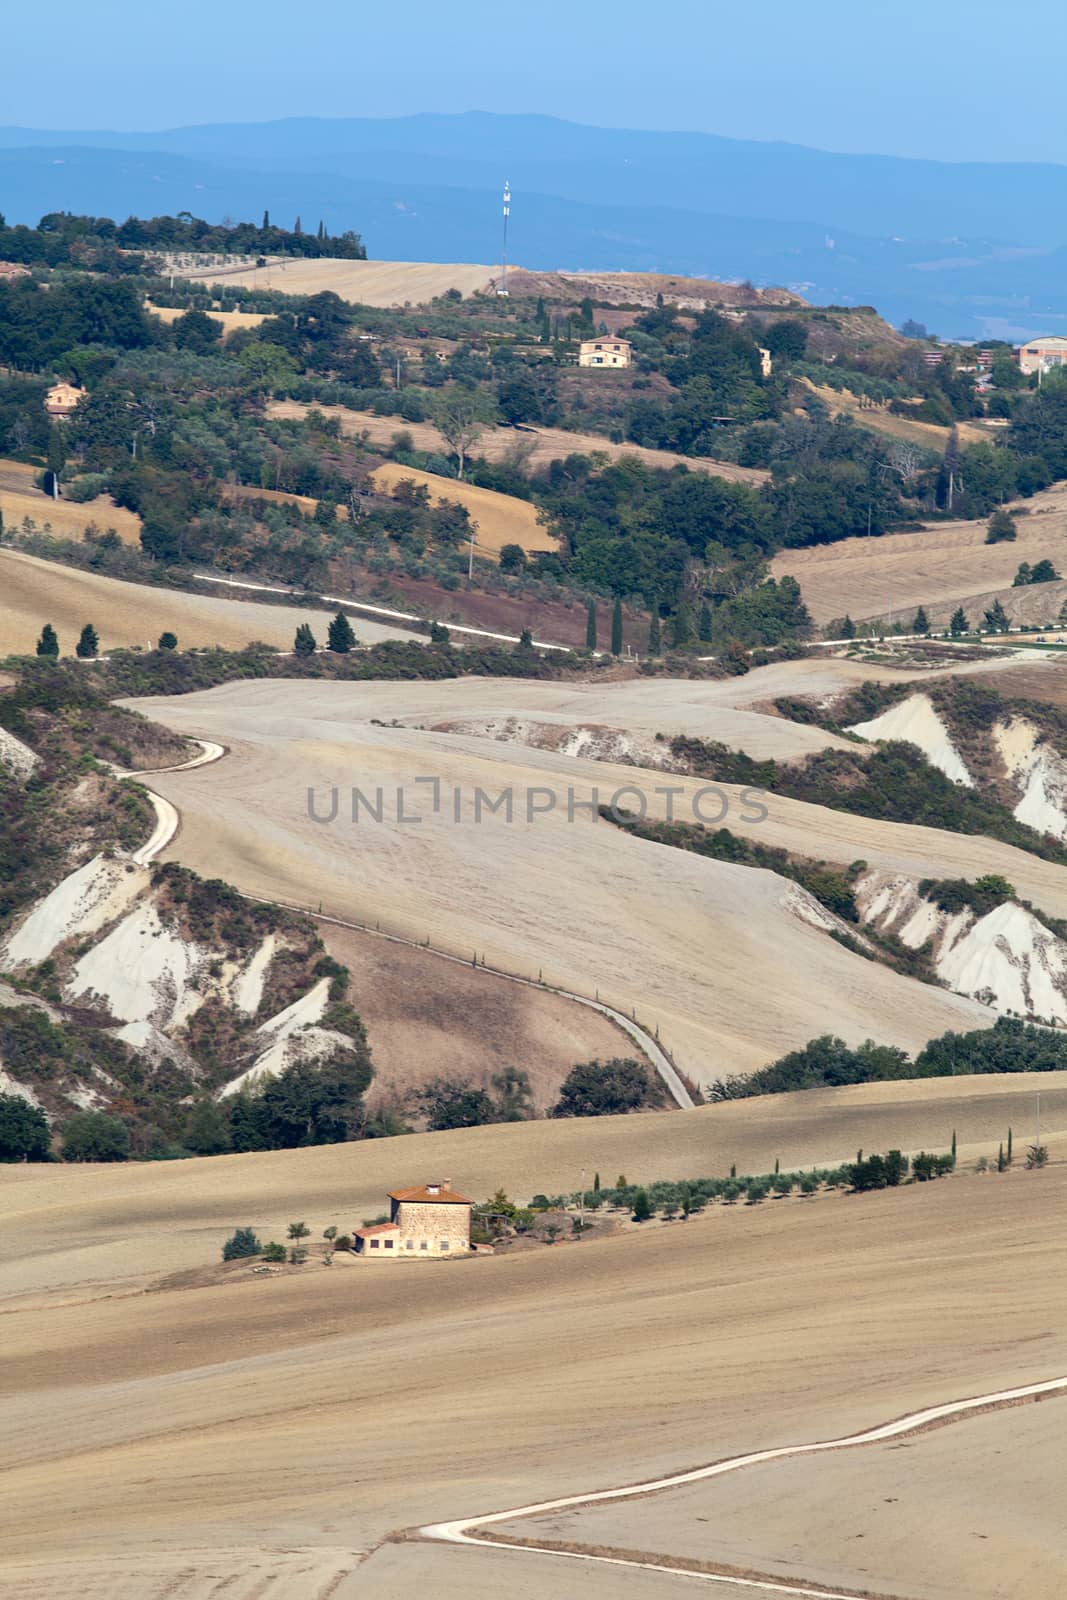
431	1220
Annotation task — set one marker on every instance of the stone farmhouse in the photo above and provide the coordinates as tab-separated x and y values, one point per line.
605	351
429	1221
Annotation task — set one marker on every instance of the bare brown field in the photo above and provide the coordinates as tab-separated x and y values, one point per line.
431	1018
863	1518
230	320
733	965
34	592
536	446
310	1415
501	519
366	283
642	288
947	564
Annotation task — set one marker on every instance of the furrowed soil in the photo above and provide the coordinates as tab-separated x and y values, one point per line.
285	1425
432	1018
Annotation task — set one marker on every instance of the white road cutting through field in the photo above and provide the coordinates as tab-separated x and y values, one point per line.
167	820
464	1530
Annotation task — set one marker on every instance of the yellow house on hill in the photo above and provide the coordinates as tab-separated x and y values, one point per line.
430	1220
605	352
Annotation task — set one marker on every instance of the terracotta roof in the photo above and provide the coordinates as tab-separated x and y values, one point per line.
436	1194
377	1227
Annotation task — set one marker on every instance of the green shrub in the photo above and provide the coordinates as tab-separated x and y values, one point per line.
242	1242
95	1136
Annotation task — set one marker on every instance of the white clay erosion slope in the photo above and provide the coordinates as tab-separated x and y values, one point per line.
469	1531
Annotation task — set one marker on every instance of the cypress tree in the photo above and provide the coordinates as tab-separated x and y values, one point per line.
1009	1147
953	1147
596	1182
959	623
655	639
921	623
616	628
304	644
1000	1158
704	625
339	635
88	644
296	226
590	625
48	643
266	221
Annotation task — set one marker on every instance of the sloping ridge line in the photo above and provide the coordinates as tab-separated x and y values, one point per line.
167	821
462	1531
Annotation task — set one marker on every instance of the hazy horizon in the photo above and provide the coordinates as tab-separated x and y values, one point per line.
854	84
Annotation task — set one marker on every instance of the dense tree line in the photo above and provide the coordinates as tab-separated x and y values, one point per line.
99	244
829	1063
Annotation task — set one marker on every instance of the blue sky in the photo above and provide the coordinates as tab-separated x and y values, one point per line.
939	78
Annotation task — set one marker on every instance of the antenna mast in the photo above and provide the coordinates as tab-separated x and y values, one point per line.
504	257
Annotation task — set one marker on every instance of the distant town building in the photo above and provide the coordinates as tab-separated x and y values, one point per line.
605	351
431	1220
1041	354
766	361
62	399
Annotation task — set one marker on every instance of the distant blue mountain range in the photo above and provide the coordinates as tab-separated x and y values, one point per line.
976	250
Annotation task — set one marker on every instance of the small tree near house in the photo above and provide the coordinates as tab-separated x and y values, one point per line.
304	643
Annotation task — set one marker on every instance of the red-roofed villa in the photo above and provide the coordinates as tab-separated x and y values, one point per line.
430	1220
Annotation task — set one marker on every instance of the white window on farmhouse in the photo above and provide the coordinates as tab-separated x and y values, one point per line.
444	1244
424	1244
375	1243
409	1244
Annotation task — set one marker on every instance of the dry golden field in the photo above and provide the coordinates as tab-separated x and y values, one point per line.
535	446
945	565
277	1429
34	592
367	283
19	499
842	402
500	518
230	320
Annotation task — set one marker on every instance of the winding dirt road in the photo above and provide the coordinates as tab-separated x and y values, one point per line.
467	1531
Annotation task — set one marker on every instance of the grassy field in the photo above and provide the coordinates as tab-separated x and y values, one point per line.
534	446
733	965
34	592
230	320
282	1426
501	519
946	564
